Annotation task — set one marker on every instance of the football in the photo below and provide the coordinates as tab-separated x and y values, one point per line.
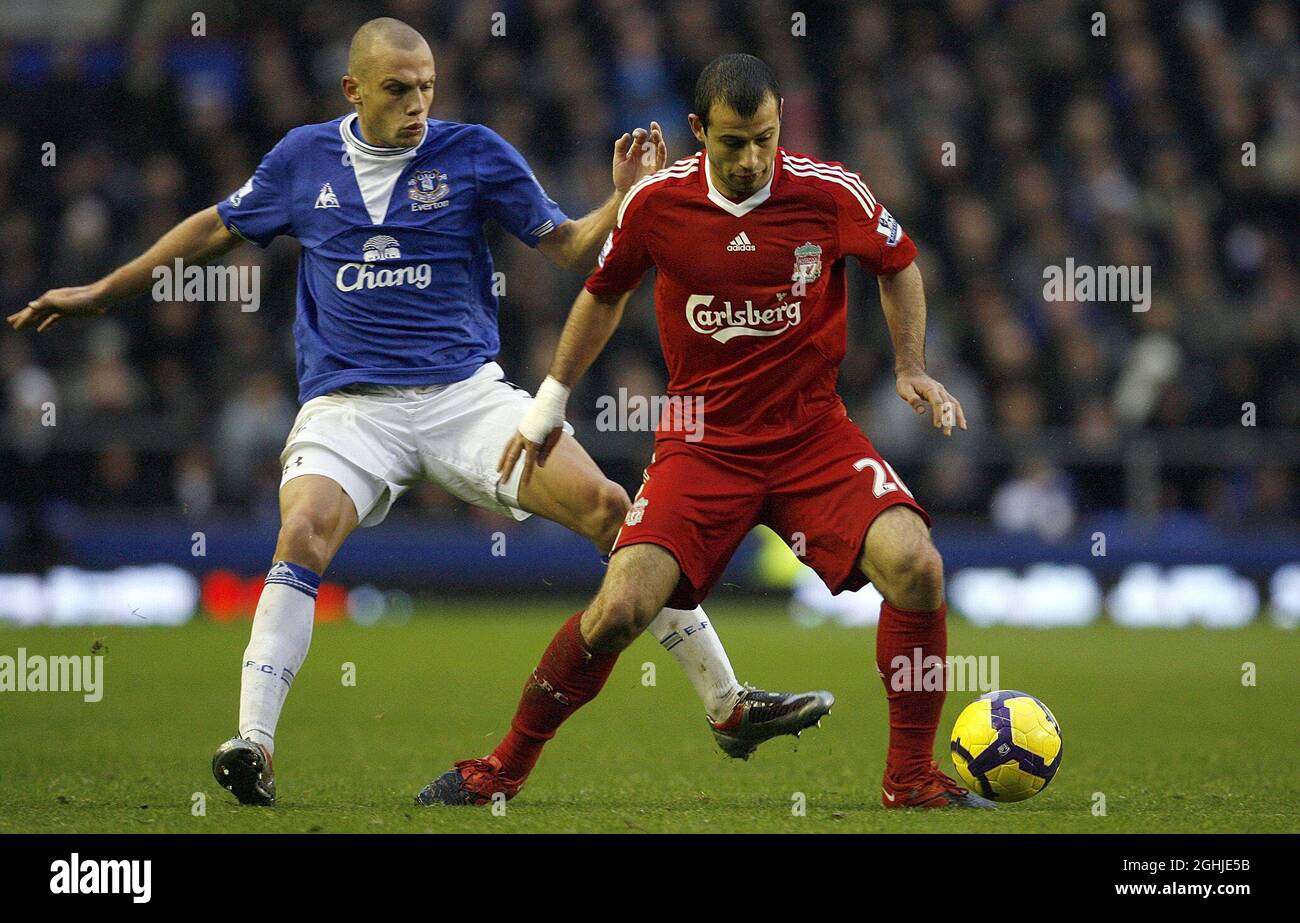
1006	745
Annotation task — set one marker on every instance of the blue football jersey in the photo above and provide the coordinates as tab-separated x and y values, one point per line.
395	276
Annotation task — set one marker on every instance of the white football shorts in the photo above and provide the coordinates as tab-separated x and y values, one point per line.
376	441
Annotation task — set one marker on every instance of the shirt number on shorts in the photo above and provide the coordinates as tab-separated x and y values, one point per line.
885	480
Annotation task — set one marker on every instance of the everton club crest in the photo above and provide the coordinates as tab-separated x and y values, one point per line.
807	263
428	190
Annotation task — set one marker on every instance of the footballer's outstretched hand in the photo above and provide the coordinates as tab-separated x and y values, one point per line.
535	454
637	155
57	303
539	431
919	389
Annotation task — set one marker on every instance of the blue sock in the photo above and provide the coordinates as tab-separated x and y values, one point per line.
294	575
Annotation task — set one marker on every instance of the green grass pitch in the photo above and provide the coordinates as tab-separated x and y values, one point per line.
1158	722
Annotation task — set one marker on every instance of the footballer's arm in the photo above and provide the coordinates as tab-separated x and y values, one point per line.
200	238
590	325
902	298
575	244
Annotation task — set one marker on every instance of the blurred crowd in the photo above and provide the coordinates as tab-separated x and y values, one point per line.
1005	136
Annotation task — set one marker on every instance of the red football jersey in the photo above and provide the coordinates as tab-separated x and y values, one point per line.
750	296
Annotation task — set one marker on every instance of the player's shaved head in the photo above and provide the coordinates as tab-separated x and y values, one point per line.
390	81
376	37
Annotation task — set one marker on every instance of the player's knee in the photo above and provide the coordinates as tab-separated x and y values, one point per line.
609	505
304	539
926	572
620	617
917	578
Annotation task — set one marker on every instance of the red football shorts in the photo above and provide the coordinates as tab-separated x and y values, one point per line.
819	494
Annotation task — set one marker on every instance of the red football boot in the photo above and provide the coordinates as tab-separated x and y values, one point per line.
930	789
470	782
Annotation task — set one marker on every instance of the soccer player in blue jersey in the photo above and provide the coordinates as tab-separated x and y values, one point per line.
396	334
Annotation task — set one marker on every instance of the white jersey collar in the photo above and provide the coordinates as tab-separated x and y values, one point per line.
739	209
353	140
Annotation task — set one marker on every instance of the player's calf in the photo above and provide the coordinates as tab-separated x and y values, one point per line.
902	562
568	676
301	539
572	671
315	518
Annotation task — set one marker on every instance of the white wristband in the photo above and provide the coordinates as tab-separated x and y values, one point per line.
546	412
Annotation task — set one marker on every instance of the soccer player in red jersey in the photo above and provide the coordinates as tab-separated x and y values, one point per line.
749	242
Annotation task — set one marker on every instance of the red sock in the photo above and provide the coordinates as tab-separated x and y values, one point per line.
568	677
913	711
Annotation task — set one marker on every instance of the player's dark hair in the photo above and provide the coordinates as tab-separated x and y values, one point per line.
742	81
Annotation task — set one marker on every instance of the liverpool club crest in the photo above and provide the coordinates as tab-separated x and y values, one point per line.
807	263
636	512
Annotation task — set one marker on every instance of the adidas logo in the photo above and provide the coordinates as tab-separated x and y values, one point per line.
740	242
280	569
